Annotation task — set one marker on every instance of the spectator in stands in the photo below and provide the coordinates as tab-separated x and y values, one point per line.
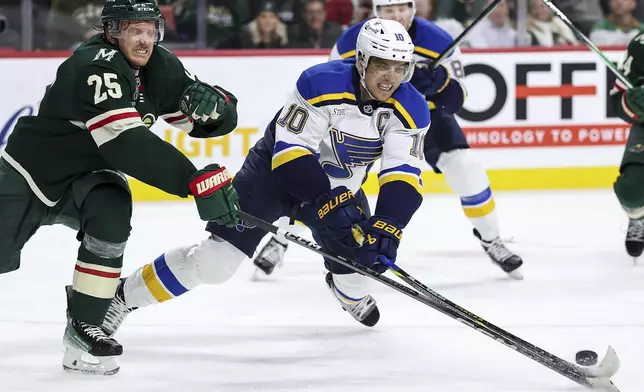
425	9
584	14
266	31
314	31
619	27
495	31
340	12
363	11
288	11
546	30
464	11
224	19
72	22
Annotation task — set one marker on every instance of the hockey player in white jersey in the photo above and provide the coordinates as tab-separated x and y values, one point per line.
341	118
446	149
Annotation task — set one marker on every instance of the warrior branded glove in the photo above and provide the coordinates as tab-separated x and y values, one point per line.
633	103
381	238
215	196
338	210
430	81
203	103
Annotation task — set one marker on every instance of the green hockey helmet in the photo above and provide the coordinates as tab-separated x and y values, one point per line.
117	11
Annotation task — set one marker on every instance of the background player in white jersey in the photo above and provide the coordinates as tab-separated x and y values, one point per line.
341	118
446	148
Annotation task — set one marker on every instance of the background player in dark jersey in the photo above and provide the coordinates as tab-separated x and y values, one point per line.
629	104
66	164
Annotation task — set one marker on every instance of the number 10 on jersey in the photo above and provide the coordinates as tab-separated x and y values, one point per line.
294	119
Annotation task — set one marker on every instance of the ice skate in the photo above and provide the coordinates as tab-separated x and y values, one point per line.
269	257
117	312
363	309
635	239
88	349
500	255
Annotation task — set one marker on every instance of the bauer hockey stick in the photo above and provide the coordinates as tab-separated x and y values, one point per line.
457	41
597	378
589	43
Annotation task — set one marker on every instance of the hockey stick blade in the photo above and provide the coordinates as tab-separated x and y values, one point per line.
598	376
443	305
606	368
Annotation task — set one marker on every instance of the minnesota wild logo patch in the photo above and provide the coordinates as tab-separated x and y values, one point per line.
637	148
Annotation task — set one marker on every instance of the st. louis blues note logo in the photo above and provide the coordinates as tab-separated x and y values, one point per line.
351	151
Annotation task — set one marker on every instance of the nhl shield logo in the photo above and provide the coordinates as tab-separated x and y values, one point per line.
368	109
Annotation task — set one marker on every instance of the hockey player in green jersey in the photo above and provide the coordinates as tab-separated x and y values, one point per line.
629	104
66	164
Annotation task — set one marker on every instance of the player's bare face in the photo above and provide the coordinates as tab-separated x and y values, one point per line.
383	77
401	13
137	41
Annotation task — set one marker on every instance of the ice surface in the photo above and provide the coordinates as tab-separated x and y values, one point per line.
286	333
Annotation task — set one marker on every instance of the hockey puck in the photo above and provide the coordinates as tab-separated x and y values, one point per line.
586	358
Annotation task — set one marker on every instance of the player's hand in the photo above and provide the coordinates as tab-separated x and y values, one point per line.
430	81
338	210
203	103
634	102
215	196
382	236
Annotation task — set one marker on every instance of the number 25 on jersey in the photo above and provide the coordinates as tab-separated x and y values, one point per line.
113	89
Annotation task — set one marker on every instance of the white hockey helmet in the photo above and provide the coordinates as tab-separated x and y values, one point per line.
379	3
384	39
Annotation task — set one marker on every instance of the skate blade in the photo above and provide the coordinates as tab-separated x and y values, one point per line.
76	361
517	274
256	275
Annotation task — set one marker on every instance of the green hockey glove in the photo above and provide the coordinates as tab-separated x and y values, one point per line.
633	103
215	196
203	103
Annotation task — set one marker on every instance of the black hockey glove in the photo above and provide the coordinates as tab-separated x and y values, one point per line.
338	211
215	196
203	103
